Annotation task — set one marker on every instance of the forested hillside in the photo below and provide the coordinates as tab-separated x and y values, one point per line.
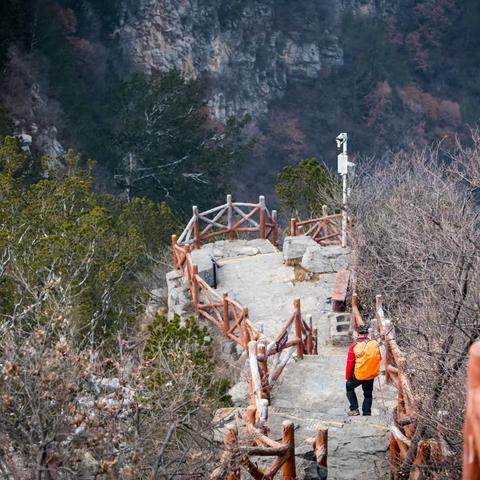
116	116
79	74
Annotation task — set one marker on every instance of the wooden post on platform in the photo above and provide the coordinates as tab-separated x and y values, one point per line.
261	203
254	371
231	444
298	328
321	446
310	335
263	364
250	417
288	438
293	227
394	456
275	228
471	448
315	341
231	233
196	228
378	305
226	318
246	329
194	285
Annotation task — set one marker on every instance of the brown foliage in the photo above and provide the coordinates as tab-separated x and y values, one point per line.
417	242
378	102
435	109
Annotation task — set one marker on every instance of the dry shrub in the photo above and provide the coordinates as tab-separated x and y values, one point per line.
417	241
68	411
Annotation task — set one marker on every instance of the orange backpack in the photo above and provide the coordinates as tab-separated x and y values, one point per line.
367	360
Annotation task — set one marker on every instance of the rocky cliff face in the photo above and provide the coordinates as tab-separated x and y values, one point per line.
248	51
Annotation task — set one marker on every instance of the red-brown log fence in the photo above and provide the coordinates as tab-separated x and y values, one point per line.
267	357
405	414
230	219
471	432
325	230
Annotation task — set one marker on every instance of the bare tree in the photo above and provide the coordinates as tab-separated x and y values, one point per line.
417	242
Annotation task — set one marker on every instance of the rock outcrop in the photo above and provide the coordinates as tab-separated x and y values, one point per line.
247	51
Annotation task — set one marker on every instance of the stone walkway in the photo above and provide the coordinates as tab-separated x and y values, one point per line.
310	392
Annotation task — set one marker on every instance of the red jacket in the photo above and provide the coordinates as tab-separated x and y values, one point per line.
351	358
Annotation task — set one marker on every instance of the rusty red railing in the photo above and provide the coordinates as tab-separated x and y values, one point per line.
325	230
267	357
230	219
405	413
471	432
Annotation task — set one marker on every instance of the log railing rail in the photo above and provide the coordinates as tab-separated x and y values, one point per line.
471	433
325	230
230	219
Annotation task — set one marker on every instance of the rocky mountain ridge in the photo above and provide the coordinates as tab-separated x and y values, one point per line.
249	51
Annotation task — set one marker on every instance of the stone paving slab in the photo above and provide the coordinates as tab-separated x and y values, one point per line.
267	286
310	392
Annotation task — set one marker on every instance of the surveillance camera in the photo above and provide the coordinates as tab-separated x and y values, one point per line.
341	139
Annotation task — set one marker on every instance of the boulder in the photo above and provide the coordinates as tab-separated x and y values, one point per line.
294	248
240	394
325	259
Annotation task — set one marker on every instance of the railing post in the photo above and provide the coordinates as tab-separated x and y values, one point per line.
194	285
263	416
226	318
254	371
174	242
310	335
378	306
288	438
231	233
231	444
394	456
275	228
247	331
298	328
321	446
263	364
471	448
388	361
293	227
196	228
261	203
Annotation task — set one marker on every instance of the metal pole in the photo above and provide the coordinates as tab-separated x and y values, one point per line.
344	212
343	165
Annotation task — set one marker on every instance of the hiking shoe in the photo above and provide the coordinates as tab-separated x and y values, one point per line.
353	413
367	414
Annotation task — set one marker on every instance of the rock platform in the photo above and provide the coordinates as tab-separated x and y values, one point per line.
310	392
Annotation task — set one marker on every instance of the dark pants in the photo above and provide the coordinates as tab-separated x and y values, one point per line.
367	386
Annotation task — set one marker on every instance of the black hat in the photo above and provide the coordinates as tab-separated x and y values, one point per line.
362	329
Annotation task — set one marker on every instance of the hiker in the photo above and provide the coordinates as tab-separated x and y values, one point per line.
363	365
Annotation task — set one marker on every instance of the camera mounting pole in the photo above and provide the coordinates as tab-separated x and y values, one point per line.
342	168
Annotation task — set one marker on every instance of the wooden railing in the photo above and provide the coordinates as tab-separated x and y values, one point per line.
325	230
471	433
230	219
267	360
405	414
404	418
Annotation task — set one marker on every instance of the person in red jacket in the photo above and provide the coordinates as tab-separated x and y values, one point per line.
353	383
